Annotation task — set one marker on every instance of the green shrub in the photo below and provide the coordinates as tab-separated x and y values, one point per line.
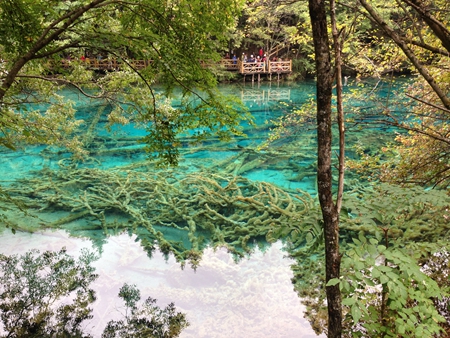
385	293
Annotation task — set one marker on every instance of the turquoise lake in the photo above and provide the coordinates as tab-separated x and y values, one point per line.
222	297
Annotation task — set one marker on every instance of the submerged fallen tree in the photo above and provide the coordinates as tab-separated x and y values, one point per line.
223	210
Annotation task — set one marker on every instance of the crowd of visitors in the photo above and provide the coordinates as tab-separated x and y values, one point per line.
253	58
256	63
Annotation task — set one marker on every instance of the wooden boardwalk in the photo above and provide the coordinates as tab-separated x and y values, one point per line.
260	67
108	64
244	68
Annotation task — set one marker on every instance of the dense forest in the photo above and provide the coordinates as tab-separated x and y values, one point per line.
383	240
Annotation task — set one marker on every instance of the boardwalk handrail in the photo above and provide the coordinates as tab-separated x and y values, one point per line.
259	67
108	64
280	66
252	67
265	67
229	64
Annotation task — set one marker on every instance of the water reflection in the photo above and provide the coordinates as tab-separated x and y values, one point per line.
254	298
260	95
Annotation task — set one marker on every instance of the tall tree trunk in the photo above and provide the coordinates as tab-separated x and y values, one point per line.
330	214
338	41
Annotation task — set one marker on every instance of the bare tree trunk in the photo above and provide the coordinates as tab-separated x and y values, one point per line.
337	38
330	214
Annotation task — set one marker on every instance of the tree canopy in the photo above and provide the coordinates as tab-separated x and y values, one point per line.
41	44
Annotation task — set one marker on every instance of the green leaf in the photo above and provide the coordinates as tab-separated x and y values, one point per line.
381	248
384	279
372	250
359	265
373	241
357	242
362	237
333	282
384	268
348	301
388	254
393	276
368	281
356	313
376	272
345	285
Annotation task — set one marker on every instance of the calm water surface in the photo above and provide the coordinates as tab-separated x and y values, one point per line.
222	298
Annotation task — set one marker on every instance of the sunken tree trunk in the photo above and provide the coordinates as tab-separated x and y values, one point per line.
330	212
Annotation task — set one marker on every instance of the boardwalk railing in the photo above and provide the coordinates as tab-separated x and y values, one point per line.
265	67
260	67
252	67
108	64
229	64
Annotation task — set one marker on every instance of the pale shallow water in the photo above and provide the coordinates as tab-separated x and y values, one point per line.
254	298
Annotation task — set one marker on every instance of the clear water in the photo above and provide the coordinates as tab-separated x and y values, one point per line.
222	298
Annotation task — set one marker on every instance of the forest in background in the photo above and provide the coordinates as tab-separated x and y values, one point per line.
326	40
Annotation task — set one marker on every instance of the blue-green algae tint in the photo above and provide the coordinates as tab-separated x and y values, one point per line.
223	296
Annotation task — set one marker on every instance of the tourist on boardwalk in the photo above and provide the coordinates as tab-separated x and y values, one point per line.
265	62
262	63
